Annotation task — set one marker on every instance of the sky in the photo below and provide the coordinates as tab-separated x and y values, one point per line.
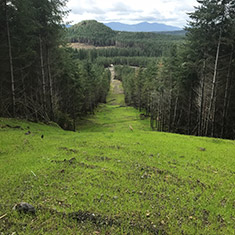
170	12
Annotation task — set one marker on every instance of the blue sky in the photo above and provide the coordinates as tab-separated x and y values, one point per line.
171	12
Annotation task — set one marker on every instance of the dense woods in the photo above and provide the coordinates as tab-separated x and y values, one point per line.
105	57
40	80
125	44
184	84
192	90
91	32
215	66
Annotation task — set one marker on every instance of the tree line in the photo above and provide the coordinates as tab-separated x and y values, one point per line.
104	58
193	90
123	52
97	34
124	44
119	56
39	78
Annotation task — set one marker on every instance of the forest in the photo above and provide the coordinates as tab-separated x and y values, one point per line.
117	43
105	132
192	90
40	81
183	83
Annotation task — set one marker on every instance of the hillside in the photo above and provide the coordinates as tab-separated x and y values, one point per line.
114	176
94	33
119	47
91	32
127	133
141	27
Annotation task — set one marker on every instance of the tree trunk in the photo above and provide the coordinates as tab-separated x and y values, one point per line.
43	75
24	94
158	114
152	121
200	125
50	85
213	116
214	81
170	106
175	112
226	96
190	110
11	63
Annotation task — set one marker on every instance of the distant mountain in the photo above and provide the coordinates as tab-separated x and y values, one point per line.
91	32
141	27
95	33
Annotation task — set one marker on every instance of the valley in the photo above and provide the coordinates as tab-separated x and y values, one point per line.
109	179
112	129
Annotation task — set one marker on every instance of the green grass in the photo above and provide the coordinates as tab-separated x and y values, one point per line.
122	181
113	118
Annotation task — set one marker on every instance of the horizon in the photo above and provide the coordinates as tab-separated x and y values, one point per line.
127	23
168	12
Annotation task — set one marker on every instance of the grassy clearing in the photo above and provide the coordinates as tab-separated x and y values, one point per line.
108	179
113	118
77	45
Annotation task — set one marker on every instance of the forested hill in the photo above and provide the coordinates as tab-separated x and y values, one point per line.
97	34
91	32
130	48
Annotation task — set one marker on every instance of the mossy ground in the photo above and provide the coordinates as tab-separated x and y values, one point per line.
120	182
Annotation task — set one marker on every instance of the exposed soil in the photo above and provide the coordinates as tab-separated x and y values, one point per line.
77	45
116	85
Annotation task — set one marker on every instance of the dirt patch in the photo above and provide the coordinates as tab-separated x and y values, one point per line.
116	85
73	162
97	219
77	45
98	158
13	127
68	150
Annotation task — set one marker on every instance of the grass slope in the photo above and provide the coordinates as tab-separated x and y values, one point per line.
114	180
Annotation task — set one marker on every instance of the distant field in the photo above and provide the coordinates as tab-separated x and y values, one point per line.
77	45
109	179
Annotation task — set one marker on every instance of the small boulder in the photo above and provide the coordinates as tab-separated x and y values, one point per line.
25	208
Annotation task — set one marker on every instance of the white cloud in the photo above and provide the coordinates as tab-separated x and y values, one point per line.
172	12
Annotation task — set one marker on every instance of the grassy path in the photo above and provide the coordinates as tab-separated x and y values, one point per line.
107	179
114	116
